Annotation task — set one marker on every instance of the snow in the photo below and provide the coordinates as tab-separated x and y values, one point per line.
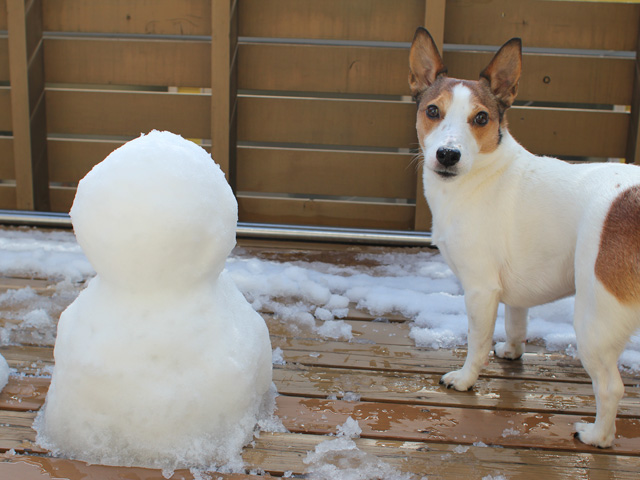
340	458
160	361
4	372
415	283
510	432
277	356
51	254
461	449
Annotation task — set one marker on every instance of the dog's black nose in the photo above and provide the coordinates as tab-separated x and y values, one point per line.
448	156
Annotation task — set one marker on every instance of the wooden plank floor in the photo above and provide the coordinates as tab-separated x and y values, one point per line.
516	423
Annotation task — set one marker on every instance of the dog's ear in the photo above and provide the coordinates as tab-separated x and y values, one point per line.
425	62
503	73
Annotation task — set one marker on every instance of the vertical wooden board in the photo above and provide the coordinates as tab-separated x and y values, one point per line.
3	14
434	21
368	20
35	74
128	62
7	167
5	109
4	59
27	105
39	155
434	16
153	17
33	22
633	139
222	103
580	25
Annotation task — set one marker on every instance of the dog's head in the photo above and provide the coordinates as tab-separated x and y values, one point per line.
459	120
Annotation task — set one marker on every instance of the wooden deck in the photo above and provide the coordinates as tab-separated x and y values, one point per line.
516	423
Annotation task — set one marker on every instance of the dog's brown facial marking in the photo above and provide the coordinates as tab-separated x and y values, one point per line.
618	262
483	118
486	120
433	104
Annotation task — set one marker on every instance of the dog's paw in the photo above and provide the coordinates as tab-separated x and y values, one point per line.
587	433
509	350
458	380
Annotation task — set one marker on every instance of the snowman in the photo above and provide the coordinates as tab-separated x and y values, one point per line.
160	362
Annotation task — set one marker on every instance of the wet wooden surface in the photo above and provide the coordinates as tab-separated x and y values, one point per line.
517	421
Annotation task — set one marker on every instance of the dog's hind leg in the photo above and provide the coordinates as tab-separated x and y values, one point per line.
603	327
482	308
516	327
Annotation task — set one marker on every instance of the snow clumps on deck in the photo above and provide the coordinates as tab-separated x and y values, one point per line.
160	362
340	459
4	373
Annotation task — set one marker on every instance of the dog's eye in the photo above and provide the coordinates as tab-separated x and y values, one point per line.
433	111
481	119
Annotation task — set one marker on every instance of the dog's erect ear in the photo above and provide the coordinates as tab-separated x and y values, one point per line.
503	73
424	61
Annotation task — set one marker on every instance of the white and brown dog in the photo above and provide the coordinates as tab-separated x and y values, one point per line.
526	230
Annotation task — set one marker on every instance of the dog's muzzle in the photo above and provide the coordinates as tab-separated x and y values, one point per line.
447	158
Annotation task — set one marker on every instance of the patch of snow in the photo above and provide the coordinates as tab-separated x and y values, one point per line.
510	432
350	428
351	397
51	254
340	459
277	357
31	318
415	283
4	373
461	449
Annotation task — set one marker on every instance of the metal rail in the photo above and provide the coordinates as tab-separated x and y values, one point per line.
254	230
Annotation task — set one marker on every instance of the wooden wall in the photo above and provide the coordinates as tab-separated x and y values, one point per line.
304	103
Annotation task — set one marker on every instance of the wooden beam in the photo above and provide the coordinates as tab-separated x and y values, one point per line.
327	213
362	20
224	47
555	24
633	138
26	74
434	15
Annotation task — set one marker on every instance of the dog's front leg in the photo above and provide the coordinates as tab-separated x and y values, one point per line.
482	308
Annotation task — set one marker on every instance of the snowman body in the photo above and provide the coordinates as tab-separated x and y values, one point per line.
160	361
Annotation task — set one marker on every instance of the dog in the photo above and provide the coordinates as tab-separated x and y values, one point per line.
524	230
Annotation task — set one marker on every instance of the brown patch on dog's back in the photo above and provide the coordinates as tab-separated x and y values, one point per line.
618	262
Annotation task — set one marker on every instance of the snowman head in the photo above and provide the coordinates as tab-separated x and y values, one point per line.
156	213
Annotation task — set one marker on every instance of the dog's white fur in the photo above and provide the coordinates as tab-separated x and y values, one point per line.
520	229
